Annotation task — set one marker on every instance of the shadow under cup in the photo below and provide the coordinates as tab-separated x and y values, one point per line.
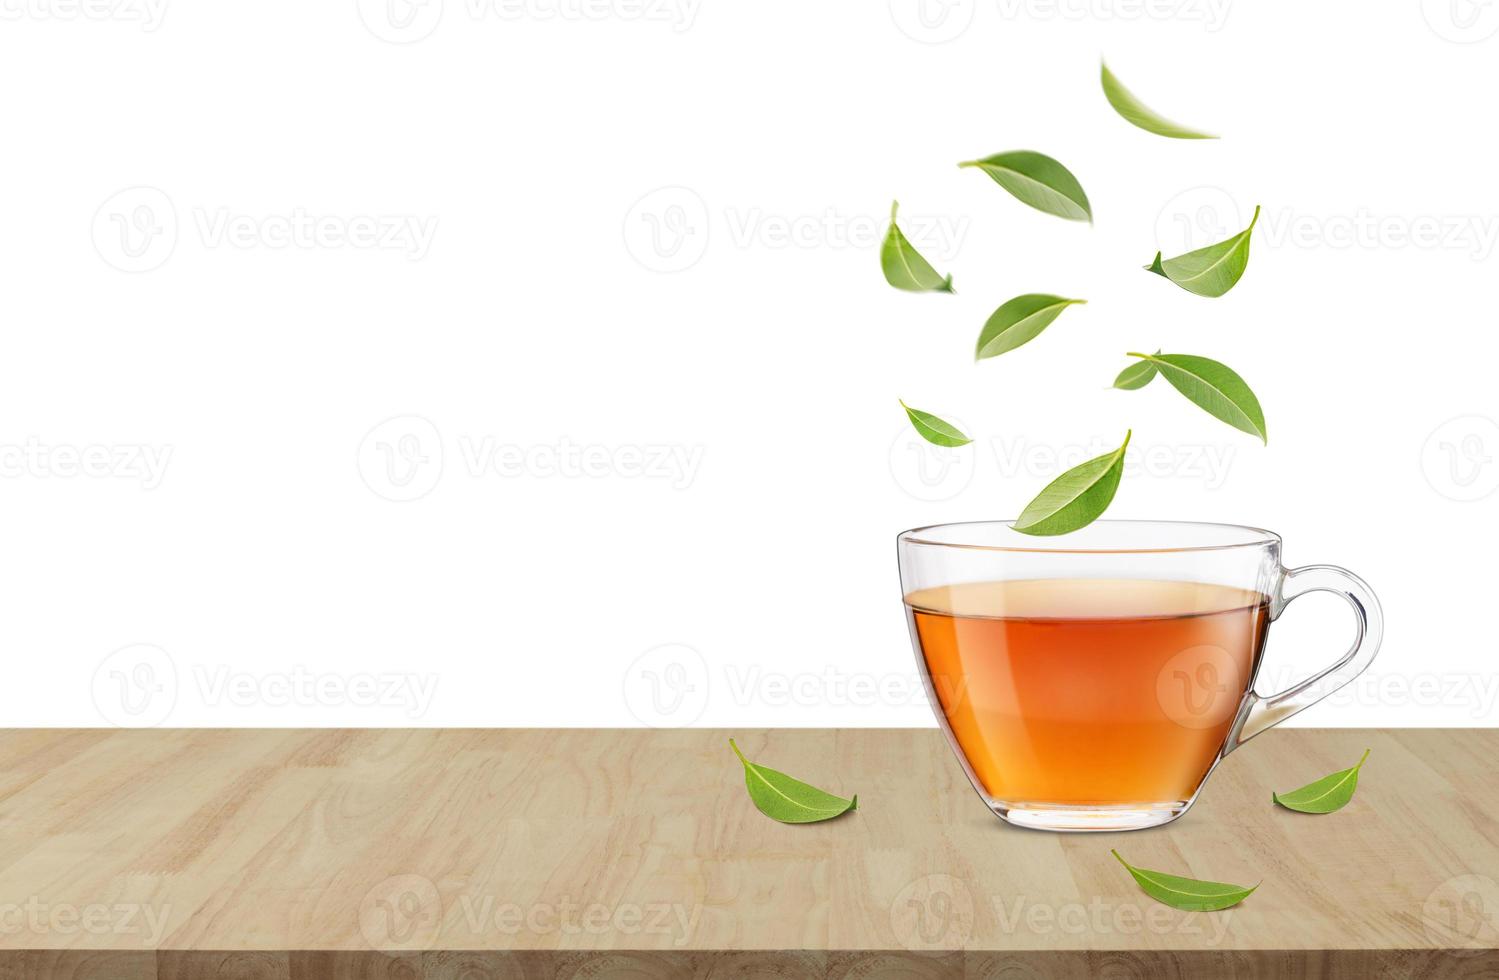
1093	681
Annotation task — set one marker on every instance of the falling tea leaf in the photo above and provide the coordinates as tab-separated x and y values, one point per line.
1210	271
1018	321
1139	114
1324	795
1037	180
1213	387
1137	375
1076	498
1187	894
788	800
904	267
934	430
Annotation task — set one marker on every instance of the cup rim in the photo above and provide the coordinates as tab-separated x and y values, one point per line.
1259	538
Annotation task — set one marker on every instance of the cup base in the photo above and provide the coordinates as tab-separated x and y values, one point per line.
1090	819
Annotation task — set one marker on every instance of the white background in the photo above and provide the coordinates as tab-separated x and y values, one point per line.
629	250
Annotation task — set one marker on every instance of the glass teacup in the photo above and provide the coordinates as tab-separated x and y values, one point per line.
1093	681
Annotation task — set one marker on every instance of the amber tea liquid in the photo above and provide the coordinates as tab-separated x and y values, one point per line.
1089	692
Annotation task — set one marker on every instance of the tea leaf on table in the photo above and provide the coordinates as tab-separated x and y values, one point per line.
1213	387
1019	321
1187	894
904	267
1324	795
1139	114
1038	180
788	800
1137	375
1210	271
1076	498
934	430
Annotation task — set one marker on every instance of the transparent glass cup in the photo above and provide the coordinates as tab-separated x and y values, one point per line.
1093	681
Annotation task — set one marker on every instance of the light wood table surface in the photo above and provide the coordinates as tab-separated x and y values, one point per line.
524	854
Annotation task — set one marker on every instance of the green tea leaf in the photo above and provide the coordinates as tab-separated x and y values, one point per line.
1076	498
1137	375
788	800
1324	795
1214	388
1187	894
1038	180
1018	321
1210	271
935	430
904	267
1139	114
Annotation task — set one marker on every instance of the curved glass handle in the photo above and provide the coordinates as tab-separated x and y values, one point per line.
1259	713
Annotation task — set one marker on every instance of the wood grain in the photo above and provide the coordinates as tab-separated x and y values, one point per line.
526	854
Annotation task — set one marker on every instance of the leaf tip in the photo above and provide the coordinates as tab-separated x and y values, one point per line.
893	206
854	805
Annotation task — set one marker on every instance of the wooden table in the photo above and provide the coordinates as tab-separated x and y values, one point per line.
519	854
